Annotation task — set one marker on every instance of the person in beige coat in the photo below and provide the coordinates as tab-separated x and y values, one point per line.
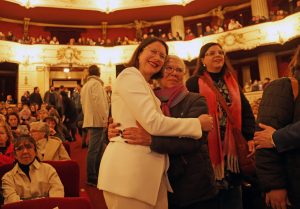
133	176
30	179
95	110
48	148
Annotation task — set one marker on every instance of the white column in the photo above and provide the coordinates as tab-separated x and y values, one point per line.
246	73
26	79
260	8
177	25
267	65
108	74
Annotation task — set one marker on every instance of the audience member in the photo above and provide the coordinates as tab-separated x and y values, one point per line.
17	129
48	148
25	100
35	97
30	179
6	144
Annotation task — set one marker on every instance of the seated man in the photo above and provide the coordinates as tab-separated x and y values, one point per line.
30	179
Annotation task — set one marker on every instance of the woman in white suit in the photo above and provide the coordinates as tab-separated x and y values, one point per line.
132	176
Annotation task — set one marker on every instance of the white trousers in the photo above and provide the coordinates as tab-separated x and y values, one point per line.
114	201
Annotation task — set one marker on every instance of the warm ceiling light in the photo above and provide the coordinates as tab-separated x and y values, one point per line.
107	6
66	70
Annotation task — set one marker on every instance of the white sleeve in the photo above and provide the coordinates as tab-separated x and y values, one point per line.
140	102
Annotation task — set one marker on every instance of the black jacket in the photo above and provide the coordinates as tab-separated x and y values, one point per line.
279	170
190	172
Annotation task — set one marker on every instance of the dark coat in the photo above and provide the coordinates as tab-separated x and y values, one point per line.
279	170
35	98
190	172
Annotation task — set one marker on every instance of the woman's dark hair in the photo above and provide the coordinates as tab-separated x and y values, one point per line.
15	114
134	60
22	138
200	67
294	65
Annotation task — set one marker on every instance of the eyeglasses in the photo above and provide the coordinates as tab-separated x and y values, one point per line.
155	52
24	146
170	69
214	53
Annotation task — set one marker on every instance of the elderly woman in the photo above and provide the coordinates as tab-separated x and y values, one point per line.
215	80
131	175
30	179
48	148
6	146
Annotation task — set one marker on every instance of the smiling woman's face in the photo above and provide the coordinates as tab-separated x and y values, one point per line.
214	59
151	59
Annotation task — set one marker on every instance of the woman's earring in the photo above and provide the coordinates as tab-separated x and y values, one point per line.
203	65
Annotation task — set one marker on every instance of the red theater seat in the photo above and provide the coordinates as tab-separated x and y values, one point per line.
69	174
51	203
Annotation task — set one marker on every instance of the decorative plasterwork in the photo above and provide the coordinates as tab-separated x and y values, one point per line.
278	32
68	55
99	5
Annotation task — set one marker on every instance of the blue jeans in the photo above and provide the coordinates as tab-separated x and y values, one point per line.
231	198
94	155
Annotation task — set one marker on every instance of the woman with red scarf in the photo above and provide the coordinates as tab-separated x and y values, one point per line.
213	74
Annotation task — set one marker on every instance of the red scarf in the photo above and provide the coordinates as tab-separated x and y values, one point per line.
170	97
217	152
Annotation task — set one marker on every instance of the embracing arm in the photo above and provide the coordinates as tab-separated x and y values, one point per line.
173	145
140	101
287	138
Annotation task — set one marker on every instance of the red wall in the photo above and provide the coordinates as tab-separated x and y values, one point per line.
283	69
35	31
16	29
92	33
114	33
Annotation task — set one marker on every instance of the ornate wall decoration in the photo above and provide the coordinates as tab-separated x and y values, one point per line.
229	39
69	55
277	32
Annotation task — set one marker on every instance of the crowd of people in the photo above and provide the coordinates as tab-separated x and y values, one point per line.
211	28
177	146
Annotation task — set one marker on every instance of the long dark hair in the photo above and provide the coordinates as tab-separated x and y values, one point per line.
200	67
134	60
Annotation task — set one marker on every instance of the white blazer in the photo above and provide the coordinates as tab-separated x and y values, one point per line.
135	171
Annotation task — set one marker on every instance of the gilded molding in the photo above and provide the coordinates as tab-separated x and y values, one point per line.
277	32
